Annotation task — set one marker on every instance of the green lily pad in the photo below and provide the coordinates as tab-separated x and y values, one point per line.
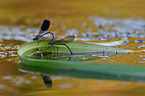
77	47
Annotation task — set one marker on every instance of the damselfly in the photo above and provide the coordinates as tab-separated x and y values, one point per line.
53	42
44	27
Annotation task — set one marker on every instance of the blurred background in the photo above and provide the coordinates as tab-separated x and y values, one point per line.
20	11
20	21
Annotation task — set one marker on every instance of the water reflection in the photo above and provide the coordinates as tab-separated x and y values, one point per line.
75	57
77	74
47	81
46	78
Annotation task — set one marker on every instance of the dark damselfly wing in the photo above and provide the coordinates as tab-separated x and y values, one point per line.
45	26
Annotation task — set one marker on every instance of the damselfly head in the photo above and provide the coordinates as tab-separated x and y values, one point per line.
36	38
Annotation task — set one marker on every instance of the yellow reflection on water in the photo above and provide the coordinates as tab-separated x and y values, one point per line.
66	86
72	13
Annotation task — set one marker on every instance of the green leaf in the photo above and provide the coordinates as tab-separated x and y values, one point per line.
76	47
74	66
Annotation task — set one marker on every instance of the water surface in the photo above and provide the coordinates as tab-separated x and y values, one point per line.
93	21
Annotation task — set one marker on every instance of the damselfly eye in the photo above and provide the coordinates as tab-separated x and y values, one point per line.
34	39
37	37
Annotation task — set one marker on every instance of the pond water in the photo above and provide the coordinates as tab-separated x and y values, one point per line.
17	82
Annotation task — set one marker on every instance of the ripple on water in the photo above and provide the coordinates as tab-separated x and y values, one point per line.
66	85
141	55
2	86
141	61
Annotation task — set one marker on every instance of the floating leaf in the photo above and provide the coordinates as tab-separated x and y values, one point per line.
74	66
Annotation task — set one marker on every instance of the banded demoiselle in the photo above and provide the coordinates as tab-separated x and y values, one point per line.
53	42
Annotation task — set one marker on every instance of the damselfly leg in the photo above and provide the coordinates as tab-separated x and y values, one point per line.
52	42
63	42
